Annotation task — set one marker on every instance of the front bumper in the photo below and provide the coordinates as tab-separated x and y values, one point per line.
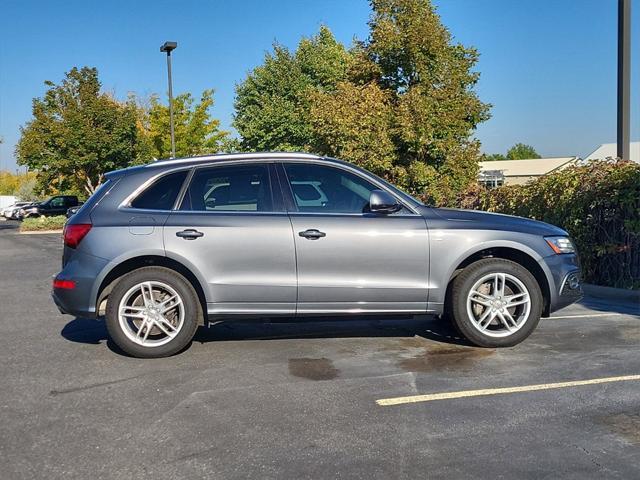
565	284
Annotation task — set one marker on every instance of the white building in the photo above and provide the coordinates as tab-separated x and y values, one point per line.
609	150
517	172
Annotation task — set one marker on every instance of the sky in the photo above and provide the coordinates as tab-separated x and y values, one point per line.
548	67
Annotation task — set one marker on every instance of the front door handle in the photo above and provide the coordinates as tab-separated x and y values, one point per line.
189	234
312	234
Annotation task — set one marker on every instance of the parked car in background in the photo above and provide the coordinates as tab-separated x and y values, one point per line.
12	210
161	248
73	210
57	205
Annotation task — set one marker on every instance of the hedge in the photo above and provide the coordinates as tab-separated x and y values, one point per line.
43	223
597	203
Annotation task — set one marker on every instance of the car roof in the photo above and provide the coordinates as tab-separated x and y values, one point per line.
220	157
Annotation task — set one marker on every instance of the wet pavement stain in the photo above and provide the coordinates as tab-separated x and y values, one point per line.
631	334
444	357
313	368
627	425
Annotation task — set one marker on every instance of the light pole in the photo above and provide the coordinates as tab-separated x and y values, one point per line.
624	79
168	47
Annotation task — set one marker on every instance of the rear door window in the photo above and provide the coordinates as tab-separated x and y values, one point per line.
238	188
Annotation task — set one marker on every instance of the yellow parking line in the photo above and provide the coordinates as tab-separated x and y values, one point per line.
589	315
387	402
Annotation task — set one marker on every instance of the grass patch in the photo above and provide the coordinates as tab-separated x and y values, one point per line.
43	223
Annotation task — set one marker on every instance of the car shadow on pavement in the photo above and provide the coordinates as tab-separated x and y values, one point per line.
431	328
607	305
91	331
9	225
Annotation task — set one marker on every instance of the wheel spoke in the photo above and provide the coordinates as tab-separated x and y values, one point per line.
132	311
498	284
161	323
515	304
147	294
481	302
176	301
481	295
485	315
517	299
141	328
509	317
504	321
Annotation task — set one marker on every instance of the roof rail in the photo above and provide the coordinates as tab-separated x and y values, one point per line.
234	156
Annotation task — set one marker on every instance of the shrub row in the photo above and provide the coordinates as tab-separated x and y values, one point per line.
43	223
597	203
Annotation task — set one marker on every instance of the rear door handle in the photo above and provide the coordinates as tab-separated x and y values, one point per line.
189	234
312	234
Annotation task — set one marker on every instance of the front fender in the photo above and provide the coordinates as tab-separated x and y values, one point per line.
450	249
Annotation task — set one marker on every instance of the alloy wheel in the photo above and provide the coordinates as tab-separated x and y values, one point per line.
498	305
151	314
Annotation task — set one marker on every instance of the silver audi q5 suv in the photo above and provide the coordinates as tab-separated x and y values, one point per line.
162	248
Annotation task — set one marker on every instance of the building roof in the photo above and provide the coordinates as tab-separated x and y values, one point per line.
528	168
610	150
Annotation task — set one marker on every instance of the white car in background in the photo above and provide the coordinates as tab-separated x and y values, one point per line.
12	210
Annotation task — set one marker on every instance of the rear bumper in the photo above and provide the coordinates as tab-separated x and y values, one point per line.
83	269
565	284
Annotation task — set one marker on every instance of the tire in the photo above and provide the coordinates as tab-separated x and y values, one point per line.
143	331
497	283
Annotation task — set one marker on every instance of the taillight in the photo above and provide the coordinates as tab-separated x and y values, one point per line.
64	284
74	233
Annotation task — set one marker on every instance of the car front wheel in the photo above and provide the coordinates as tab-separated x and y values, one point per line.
152	312
496	303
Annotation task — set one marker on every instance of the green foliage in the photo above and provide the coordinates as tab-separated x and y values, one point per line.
22	185
27	189
598	204
492	157
520	151
272	104
43	223
77	134
353	123
196	132
401	103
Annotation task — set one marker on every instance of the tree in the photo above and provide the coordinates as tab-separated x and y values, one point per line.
493	157
431	80
520	151
354	123
196	132
402	103
272	104
77	134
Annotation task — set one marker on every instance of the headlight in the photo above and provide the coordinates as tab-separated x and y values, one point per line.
560	244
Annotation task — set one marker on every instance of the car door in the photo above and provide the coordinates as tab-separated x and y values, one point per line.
350	260
233	230
55	206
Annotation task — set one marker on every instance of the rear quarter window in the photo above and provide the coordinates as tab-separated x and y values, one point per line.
161	194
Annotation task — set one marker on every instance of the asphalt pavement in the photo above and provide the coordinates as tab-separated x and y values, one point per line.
329	398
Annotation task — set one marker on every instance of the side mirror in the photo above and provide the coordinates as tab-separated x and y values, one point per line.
383	202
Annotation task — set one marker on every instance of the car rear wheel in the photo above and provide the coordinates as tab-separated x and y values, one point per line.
496	303
153	312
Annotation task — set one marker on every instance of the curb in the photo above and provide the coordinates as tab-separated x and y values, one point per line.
599	291
39	232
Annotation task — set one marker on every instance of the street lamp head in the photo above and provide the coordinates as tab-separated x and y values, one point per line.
168	46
